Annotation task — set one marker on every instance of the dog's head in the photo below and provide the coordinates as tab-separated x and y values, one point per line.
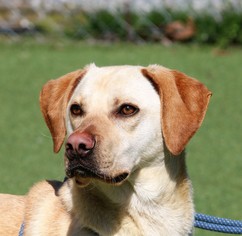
117	118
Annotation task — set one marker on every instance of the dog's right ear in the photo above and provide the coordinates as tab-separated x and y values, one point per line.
54	98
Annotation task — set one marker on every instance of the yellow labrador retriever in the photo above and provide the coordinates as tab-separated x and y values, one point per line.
126	128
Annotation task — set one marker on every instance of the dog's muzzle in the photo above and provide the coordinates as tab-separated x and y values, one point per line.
79	147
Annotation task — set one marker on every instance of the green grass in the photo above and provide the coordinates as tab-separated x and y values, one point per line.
214	154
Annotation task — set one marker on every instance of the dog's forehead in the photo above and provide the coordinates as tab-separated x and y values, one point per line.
114	81
106	78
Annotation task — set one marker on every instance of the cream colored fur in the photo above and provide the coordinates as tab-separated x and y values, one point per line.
156	198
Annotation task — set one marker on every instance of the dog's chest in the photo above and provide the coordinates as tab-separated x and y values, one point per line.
141	212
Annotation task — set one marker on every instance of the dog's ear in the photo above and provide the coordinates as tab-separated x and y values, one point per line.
54	98
184	102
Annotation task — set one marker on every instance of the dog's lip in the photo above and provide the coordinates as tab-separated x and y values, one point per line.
84	172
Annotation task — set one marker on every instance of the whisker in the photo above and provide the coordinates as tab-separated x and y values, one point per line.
45	135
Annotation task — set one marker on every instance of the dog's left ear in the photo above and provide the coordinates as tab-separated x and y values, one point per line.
184	102
54	98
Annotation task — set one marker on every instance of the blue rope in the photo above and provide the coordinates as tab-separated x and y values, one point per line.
218	224
21	231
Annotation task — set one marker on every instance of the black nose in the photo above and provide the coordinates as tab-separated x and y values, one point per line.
80	145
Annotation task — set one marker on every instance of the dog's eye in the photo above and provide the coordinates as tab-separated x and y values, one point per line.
76	110
128	110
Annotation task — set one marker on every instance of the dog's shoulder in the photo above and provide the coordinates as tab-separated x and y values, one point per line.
44	189
45	197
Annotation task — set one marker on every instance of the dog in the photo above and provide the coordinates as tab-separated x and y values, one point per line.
125	129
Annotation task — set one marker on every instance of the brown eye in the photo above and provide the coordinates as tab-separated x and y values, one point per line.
76	110
128	110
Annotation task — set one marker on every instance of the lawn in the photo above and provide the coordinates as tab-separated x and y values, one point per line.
213	156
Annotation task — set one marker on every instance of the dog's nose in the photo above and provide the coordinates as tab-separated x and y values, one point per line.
80	144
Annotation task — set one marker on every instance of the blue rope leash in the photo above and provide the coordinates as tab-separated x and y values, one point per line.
21	231
217	224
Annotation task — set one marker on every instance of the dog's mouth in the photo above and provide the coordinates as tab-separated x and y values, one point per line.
82	172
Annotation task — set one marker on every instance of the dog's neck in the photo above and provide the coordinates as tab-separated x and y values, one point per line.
163	198
154	197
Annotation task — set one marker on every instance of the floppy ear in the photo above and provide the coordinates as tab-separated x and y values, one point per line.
54	98
184	102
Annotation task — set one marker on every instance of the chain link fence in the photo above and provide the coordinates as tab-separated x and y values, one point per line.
207	21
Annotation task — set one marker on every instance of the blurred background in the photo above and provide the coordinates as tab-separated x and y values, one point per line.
208	21
44	39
